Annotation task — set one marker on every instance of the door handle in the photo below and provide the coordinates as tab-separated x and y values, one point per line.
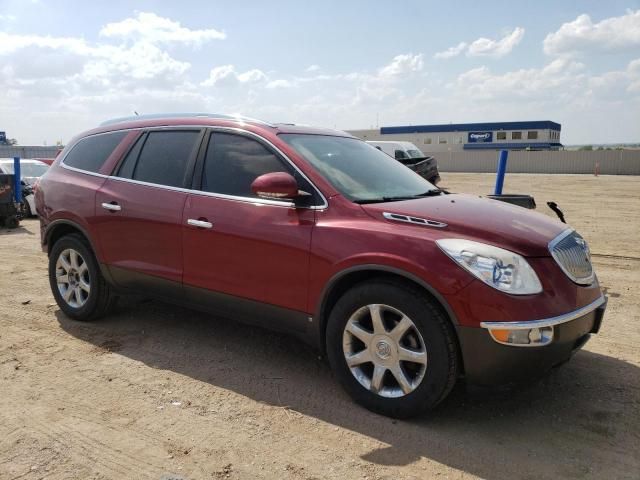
114	207
199	223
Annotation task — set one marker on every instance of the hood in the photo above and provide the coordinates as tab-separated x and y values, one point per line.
490	221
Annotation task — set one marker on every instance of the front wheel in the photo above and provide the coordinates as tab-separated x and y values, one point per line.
392	348
79	288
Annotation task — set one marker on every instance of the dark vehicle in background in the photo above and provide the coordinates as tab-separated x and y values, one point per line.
411	156
318	234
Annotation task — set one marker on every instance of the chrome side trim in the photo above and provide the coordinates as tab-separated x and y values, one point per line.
398	217
546	322
259	201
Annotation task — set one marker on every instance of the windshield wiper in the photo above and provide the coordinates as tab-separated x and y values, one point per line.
429	193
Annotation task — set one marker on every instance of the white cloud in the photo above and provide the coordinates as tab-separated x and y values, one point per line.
155	29
559	78
227	75
496	48
312	68
451	51
582	35
7	18
402	64
485	47
281	83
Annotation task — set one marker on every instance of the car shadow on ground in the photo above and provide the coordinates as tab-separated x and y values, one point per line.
578	422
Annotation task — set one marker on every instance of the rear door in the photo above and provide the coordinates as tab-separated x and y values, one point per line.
140	207
247	248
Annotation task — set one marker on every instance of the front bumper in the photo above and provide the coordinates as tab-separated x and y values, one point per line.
487	362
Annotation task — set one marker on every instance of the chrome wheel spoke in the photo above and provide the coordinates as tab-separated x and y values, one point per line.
401	378
73	257
64	263
401	328
84	285
377	377
62	278
359	332
408	355
359	358
376	319
83	268
68	293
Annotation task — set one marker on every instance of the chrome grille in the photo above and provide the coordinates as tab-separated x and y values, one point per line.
571	252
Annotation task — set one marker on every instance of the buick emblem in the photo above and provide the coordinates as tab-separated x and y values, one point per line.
383	350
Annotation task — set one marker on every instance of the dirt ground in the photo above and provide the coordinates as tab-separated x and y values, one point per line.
160	392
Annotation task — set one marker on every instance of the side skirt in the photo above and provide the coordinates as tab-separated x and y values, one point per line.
230	307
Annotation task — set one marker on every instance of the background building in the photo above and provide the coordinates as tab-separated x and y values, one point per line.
535	135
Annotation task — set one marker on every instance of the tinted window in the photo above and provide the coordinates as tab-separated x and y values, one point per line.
164	157
233	162
129	163
90	153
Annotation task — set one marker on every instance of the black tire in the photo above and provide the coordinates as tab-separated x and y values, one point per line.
27	210
12	222
436	331
101	297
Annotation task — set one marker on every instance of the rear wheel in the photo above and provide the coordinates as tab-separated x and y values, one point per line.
76	282
392	348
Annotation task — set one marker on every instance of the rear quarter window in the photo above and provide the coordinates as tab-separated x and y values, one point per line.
90	153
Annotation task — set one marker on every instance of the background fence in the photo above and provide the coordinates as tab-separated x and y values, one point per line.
7	151
611	162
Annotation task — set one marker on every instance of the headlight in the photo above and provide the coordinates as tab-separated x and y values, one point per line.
499	268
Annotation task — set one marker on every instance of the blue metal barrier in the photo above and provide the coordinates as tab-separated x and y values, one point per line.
17	185
502	169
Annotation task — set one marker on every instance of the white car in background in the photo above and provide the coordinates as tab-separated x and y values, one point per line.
30	172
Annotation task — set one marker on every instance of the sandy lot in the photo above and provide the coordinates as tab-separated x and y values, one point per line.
160	392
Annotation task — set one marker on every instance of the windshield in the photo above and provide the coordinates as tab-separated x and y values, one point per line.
358	170
27	169
416	154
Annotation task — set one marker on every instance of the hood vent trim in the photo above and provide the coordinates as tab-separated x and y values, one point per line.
398	217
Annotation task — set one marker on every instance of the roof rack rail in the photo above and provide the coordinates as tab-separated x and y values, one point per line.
152	116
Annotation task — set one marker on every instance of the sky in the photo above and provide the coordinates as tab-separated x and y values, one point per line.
66	66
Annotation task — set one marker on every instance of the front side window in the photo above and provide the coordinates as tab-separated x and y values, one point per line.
400	154
357	170
233	162
163	158
90	153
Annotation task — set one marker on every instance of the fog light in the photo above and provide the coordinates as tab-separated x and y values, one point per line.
523	337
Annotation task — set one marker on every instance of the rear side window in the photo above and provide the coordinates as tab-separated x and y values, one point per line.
90	153
163	158
233	162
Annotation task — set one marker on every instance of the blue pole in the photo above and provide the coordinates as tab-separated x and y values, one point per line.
17	190
502	169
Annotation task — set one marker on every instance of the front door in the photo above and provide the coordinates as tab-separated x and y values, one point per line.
238	247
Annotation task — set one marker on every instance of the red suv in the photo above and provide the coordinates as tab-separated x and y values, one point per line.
316	233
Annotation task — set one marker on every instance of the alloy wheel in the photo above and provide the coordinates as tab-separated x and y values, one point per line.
384	350
72	278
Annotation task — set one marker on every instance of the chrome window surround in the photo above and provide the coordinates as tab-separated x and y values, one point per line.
546	322
253	200
398	217
552	244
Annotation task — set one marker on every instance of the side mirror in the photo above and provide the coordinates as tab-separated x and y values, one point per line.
275	185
